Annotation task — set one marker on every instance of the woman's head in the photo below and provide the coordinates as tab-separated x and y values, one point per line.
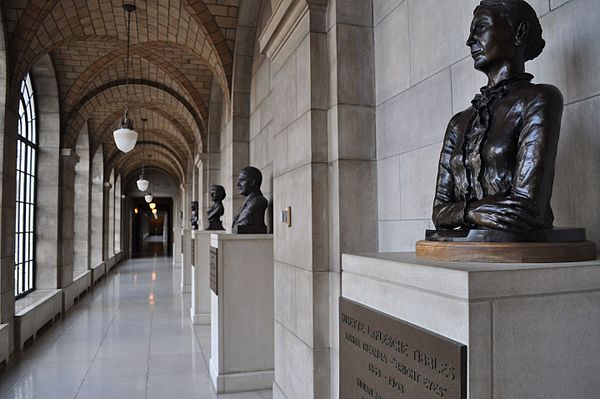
504	29
217	193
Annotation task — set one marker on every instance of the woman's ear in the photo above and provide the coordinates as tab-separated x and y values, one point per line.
521	34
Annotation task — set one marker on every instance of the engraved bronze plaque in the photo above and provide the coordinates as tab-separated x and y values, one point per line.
214	264
382	357
193	251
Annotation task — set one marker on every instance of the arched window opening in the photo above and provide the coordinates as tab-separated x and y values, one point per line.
27	141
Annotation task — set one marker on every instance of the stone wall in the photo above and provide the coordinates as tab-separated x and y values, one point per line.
424	75
82	204
97	208
261	113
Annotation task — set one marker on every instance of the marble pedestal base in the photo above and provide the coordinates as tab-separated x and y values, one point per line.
186	261
532	330
200	309
242	325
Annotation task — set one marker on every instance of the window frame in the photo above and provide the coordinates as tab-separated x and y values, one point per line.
26	183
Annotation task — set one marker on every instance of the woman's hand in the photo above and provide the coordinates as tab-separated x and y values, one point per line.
502	214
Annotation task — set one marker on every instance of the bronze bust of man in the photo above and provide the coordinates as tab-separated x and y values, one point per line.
251	217
496	166
216	210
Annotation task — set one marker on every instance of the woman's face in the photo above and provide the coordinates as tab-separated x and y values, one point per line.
491	40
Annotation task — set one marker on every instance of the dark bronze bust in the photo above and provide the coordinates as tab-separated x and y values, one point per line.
194	217
496	167
251	217
216	210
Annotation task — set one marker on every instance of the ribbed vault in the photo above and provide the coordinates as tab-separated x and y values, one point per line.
179	48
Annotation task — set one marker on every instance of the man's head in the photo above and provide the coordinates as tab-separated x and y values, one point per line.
249	180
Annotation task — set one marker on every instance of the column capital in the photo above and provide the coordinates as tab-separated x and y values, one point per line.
69	156
107	186
284	20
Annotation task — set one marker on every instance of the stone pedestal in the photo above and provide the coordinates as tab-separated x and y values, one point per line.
186	260
242	313
177	254
200	310
532	330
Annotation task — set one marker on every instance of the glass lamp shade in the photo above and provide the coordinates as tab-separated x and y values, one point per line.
154	211
142	183
148	197
125	138
152	205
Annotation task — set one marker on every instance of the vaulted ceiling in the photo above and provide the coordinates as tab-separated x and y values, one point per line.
178	47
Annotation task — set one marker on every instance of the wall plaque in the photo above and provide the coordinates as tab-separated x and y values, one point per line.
193	251
214	263
382	357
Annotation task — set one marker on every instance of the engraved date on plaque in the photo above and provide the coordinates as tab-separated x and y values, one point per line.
214	264
382	357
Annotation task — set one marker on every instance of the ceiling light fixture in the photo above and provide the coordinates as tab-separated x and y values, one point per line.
148	197
143	183
125	136
152	205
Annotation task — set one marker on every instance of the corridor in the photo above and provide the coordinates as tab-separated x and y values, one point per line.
130	338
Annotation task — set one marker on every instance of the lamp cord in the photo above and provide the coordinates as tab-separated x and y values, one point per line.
127	63
143	149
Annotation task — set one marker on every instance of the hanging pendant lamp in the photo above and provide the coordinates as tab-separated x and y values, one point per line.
143	183
148	197
125	136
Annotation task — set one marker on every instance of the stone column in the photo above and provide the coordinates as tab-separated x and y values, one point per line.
186	244
105	220
67	233
212	160
295	42
235	150
351	148
7	218
177	230
186	260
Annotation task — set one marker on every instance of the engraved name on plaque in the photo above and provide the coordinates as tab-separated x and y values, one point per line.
382	357
214	270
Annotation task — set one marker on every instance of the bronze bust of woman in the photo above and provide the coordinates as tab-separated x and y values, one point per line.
216	210
496	166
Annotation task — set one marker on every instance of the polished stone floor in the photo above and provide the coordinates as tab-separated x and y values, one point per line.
130	338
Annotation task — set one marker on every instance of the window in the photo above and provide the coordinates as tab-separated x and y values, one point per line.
25	192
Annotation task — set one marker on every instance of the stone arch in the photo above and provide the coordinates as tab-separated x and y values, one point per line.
82	203
161	158
176	64
161	127
201	12
192	33
130	175
108	103
118	158
97	207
